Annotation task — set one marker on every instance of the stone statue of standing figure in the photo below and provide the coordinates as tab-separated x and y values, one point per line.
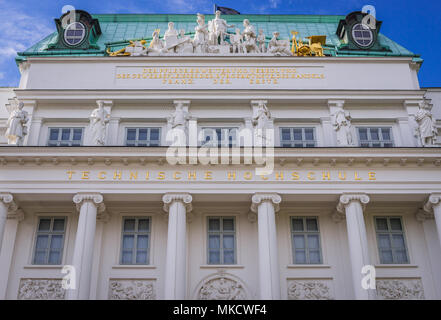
218	29
342	126
262	121
16	125
98	124
200	39
426	130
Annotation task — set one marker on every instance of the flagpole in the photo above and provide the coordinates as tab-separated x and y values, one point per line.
214	9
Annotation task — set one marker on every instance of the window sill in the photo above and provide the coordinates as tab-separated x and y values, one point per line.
219	266
133	266
43	266
308	266
392	266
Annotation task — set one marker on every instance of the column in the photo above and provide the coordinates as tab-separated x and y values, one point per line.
266	205
10	219
433	204
6	203
177	205
352	205
88	204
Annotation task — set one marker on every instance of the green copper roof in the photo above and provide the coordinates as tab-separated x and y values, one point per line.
118	29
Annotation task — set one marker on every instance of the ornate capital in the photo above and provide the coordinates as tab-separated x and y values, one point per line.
185	198
423	215
346	199
434	200
8	200
94	198
260	198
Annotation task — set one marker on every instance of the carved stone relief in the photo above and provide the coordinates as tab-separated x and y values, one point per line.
222	288
132	289
400	289
309	290
40	289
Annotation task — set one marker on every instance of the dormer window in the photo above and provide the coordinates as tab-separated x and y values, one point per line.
74	33
362	35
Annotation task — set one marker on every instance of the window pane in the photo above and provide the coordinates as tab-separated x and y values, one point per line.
143	242
214	257
382	224
386	256
127	257
363	134
214	241
77	134
313	242
128	242
129	225
141	257
228	257
214	224
311	225
42	242
297	224
58	225
309	134
142	134
374	134
228	242
286	134
384	241
314	256
398	241
45	225
395	224
228	224
401	256
299	242
40	257
57	242
297	134
154	134
143	225
300	256
65	134
131	134
53	134
54	257
385	133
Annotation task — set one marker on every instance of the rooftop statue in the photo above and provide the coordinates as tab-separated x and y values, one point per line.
156	45
249	34
200	40
184	43
279	47
135	48
426	130
261	41
16	125
341	120
171	37
237	42
218	29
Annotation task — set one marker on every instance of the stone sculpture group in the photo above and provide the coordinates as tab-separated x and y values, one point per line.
210	38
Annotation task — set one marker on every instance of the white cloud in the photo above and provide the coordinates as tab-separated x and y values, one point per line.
274	3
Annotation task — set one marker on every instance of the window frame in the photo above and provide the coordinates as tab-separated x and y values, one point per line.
50	233
364	28
60	133
84	35
390	232
136	233
137	141
304	142
305	234
370	141
221	234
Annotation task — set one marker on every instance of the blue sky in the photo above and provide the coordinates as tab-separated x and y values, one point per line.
415	25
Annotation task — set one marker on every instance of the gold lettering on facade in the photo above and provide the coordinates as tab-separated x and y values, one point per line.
85	175
102	175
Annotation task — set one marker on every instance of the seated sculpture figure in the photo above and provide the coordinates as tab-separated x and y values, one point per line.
279	47
156	45
184	43
171	37
200	39
249	34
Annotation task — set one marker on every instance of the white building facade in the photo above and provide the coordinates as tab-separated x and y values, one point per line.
88	192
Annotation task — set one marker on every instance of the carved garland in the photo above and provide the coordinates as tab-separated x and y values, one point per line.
308	290
222	288
131	290
400	289
41	289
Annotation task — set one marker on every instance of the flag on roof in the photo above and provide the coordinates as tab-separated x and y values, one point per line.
225	10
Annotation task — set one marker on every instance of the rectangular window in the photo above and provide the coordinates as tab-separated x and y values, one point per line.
50	240
65	137
143	137
375	137
297	137
217	137
391	241
135	241
221	240
306	240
